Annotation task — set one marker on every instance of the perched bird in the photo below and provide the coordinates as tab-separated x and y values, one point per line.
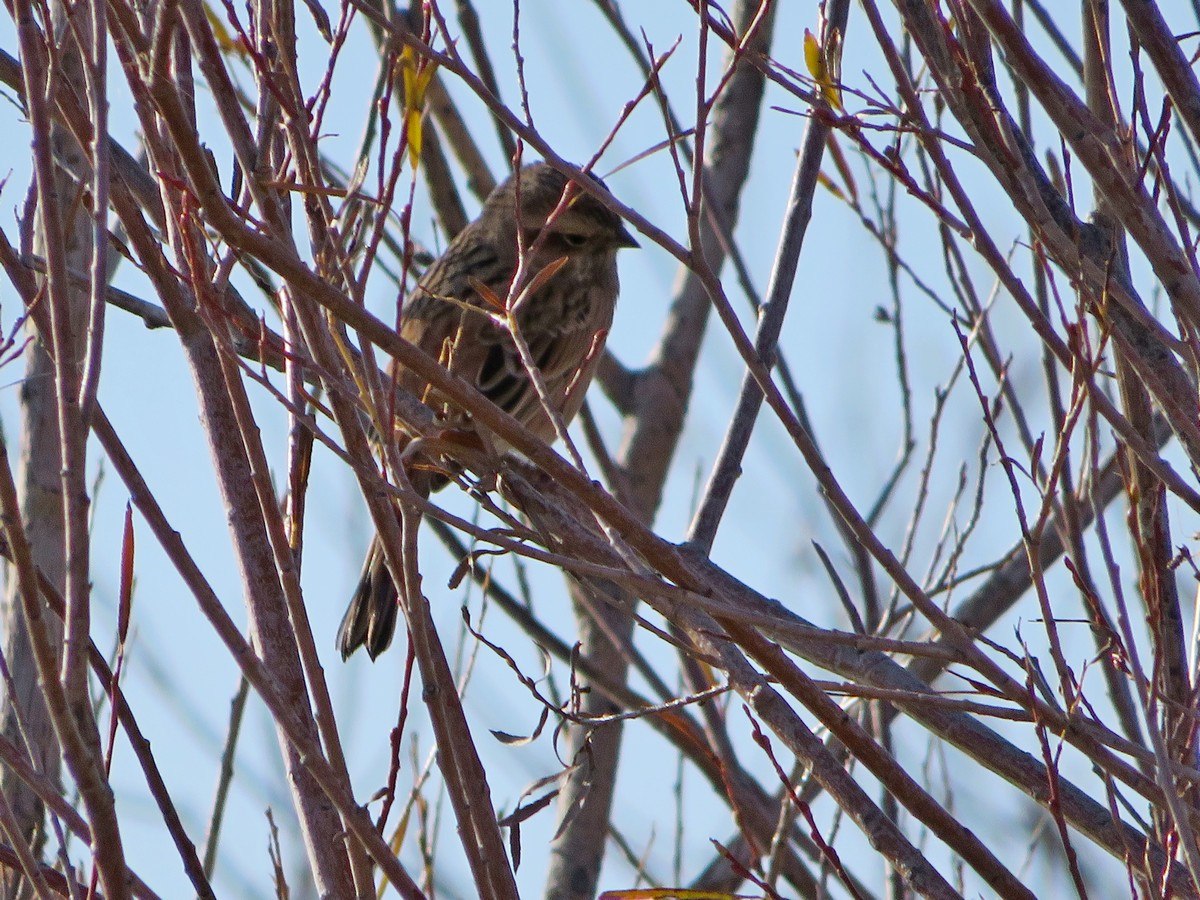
571	266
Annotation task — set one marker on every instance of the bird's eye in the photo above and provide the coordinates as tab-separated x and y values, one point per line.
574	240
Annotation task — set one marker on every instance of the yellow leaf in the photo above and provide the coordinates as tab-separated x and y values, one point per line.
224	40
416	72
824	65
395	843
826	182
813	58
413	124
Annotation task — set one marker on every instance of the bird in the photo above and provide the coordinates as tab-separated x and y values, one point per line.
570	274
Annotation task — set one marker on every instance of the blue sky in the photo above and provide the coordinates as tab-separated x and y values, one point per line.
179	680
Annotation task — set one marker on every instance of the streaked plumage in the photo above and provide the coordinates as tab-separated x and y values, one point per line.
563	323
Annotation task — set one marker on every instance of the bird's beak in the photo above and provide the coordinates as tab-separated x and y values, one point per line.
625	239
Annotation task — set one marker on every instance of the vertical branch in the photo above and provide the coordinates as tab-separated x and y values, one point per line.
97	80
26	718
773	311
241	476
56	437
1171	701
651	434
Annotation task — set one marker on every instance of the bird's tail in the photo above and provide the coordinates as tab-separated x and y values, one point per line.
370	620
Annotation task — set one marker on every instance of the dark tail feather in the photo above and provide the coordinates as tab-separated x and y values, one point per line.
370	620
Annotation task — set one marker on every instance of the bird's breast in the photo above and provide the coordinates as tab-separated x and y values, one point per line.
578	297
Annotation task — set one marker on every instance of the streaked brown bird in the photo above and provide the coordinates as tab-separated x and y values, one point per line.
571	266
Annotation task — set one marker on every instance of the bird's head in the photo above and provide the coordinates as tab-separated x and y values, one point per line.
531	200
